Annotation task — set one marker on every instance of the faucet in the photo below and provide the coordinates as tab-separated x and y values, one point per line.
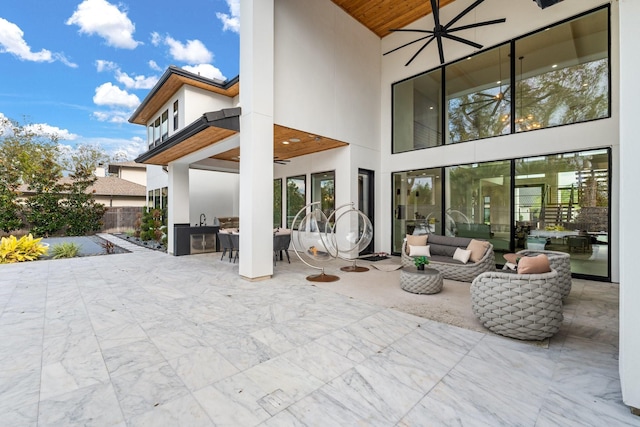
203	219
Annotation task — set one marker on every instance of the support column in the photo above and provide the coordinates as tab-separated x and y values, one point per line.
629	34
178	210
256	138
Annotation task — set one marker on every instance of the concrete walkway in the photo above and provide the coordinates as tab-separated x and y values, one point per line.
147	339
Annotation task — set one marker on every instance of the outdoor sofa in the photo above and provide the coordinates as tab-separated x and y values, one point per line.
442	250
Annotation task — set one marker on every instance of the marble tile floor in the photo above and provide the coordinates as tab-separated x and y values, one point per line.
148	339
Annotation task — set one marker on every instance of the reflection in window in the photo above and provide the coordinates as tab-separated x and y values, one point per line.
479	202
277	203
562	74
175	116
296	196
479	96
417	204
416	112
561	203
323	191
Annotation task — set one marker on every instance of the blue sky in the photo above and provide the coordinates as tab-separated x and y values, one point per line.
79	68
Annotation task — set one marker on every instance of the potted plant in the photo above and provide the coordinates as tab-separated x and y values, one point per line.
420	262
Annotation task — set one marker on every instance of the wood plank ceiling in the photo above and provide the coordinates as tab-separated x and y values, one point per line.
382	15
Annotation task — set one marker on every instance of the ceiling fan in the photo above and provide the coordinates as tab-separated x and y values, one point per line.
439	31
486	100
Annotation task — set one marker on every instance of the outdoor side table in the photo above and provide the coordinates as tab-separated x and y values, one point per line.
427	281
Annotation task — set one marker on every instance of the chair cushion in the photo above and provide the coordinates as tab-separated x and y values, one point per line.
534	264
512	258
462	255
419	251
478	248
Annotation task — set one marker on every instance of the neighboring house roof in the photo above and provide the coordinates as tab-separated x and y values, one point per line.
104	186
170	82
114	167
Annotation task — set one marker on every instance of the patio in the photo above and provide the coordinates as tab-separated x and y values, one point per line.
150	339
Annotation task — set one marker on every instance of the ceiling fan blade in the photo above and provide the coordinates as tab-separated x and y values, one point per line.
410	30
432	38
407	44
476	109
496	107
479	24
461	40
435	10
462	14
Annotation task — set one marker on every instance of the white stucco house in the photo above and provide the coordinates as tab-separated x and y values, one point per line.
517	128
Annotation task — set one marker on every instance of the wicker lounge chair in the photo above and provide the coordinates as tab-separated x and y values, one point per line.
522	306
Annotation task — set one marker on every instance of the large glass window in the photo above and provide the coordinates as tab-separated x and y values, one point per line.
561	203
479	96
323	191
150	136
417	120
296	197
557	76
478	202
417	204
562	74
277	203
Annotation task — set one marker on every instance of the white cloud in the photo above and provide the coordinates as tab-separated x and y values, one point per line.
102	65
111	116
12	41
127	148
231	21
156	39
206	70
44	129
193	52
154	65
108	94
136	82
107	21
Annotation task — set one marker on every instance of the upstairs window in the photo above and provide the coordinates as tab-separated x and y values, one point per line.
156	131
165	125
175	115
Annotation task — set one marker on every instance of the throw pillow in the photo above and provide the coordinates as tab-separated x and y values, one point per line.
416	241
478	249
512	258
462	255
419	251
534	264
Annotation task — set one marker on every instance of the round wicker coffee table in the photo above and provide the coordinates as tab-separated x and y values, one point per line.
427	281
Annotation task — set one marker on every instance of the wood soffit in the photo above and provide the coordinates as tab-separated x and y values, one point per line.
382	15
308	144
169	89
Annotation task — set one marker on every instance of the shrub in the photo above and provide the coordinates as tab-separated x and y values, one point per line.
66	250
18	250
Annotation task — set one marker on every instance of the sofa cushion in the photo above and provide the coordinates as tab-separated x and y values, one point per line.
444	259
478	248
416	241
443	250
534	264
462	255
419	251
460	242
